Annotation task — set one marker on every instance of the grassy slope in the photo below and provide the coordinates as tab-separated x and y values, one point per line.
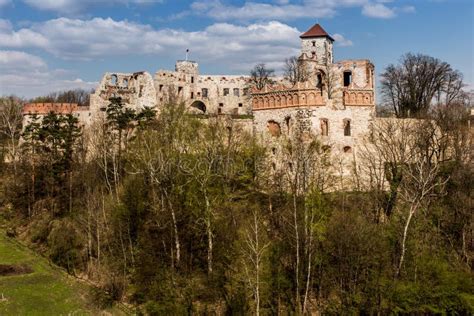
46	291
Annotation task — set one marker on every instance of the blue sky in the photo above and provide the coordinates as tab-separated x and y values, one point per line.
50	45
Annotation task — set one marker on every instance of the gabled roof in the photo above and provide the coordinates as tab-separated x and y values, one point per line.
316	31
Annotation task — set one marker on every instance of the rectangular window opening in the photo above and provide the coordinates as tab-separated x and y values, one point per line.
347	78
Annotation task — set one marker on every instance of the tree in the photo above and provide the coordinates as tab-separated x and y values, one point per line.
79	96
10	125
296	70
260	76
254	251
411	86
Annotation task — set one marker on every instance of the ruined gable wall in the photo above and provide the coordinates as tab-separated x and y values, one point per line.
135	89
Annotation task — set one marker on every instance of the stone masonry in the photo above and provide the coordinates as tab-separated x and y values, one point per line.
336	102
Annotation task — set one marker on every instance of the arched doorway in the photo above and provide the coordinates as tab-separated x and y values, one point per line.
199	107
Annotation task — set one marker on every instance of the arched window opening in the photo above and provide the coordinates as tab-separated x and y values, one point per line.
319	83
288	124
200	106
274	128
113	80
347	127
125	83
347	149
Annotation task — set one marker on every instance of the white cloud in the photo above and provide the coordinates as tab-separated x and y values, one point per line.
11	60
260	11
341	40
103	38
27	75
74	6
96	39
286	10
4	2
378	10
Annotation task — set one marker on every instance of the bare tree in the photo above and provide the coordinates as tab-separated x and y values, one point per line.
307	173
254	252
11	124
79	96
296	70
411	86
260	76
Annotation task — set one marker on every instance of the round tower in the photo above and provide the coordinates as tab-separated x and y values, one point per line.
316	45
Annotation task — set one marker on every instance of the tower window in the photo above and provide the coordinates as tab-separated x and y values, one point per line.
347	78
192	79
226	91
314	43
221	104
180	90
347	127
204	92
161	87
236	92
324	127
240	105
192	95
320	81
347	149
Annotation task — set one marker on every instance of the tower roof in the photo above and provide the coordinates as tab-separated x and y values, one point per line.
316	31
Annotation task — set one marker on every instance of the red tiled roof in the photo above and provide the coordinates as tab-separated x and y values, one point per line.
45	108
316	31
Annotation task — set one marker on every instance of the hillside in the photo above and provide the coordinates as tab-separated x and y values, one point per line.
29	285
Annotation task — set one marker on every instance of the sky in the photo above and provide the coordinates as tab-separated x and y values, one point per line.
53	45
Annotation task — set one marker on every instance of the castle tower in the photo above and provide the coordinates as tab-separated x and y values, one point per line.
316	45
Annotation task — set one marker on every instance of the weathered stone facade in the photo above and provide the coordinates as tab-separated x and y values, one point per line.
82	113
336	102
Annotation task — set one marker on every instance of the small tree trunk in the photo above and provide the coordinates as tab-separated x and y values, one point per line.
297	240
209	235
412	211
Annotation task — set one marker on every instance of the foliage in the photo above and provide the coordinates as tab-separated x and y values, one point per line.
177	215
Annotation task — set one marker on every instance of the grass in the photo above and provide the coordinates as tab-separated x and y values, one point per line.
45	291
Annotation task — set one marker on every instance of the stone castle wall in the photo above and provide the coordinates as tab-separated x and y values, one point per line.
203	94
336	102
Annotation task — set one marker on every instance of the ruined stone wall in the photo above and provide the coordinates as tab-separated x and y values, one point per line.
215	94
82	113
136	90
